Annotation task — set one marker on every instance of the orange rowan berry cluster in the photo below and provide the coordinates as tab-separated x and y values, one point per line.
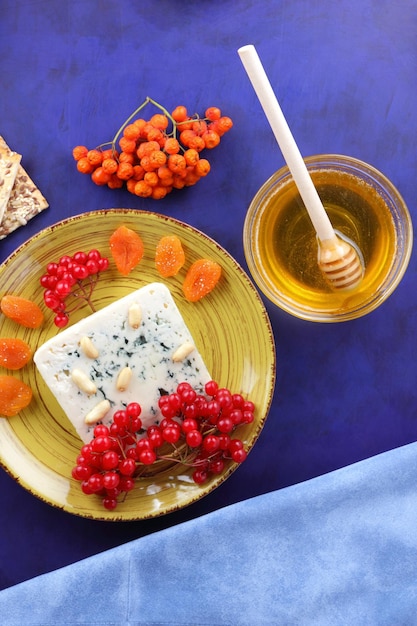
152	157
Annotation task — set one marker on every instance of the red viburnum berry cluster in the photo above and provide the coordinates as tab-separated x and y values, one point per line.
197	430
70	282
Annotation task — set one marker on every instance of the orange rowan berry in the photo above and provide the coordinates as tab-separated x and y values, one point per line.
191	156
176	163
130	185
110	165
159	121
165	174
79	152
202	168
186	124
197	143
199	127
125	171
159	192
213	113
95	157
115	182
146	164
126	157
178	182
223	125
131	131
100	176
179	114
142	189
171	146
166	182
85	166
109	153
186	136
140	123
156	135
211	139
127	145
151	178
191	177
157	158
146	129
146	147
138	172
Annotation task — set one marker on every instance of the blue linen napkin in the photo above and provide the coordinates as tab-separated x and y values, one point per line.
340	549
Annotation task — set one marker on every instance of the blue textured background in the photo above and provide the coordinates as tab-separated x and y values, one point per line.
345	74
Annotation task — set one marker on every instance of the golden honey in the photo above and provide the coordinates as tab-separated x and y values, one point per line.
281	245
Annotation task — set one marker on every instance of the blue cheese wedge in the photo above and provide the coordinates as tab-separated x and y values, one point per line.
133	350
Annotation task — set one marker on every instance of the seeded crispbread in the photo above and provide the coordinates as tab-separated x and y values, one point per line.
9	165
25	199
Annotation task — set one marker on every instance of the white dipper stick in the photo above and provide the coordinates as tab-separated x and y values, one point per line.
337	258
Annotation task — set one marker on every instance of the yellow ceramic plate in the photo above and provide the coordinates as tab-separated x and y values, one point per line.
38	447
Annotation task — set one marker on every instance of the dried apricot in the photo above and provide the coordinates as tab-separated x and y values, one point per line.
201	279
169	256
126	247
14	353
15	395
22	311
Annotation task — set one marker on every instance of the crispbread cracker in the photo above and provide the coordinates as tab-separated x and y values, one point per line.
9	165
25	200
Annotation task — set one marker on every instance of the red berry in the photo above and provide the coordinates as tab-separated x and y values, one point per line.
101	444
147	457
200	476
189	424
217	466
63	287
61	320
211	388
133	409
126	483
225	424
194	438
101	430
111	480
94	255
127	467
235	444
65	260
92	267
103	264
171	433
211	443
80	272
81	472
110	460
95	483
52	268
121	418
80	257
239	456
51	300
109	503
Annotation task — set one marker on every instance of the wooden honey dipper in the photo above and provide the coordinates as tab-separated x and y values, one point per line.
338	258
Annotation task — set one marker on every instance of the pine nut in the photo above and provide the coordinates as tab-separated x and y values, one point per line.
123	379
134	315
83	382
88	348
183	351
97	413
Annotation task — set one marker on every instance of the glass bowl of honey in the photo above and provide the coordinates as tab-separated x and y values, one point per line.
281	245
